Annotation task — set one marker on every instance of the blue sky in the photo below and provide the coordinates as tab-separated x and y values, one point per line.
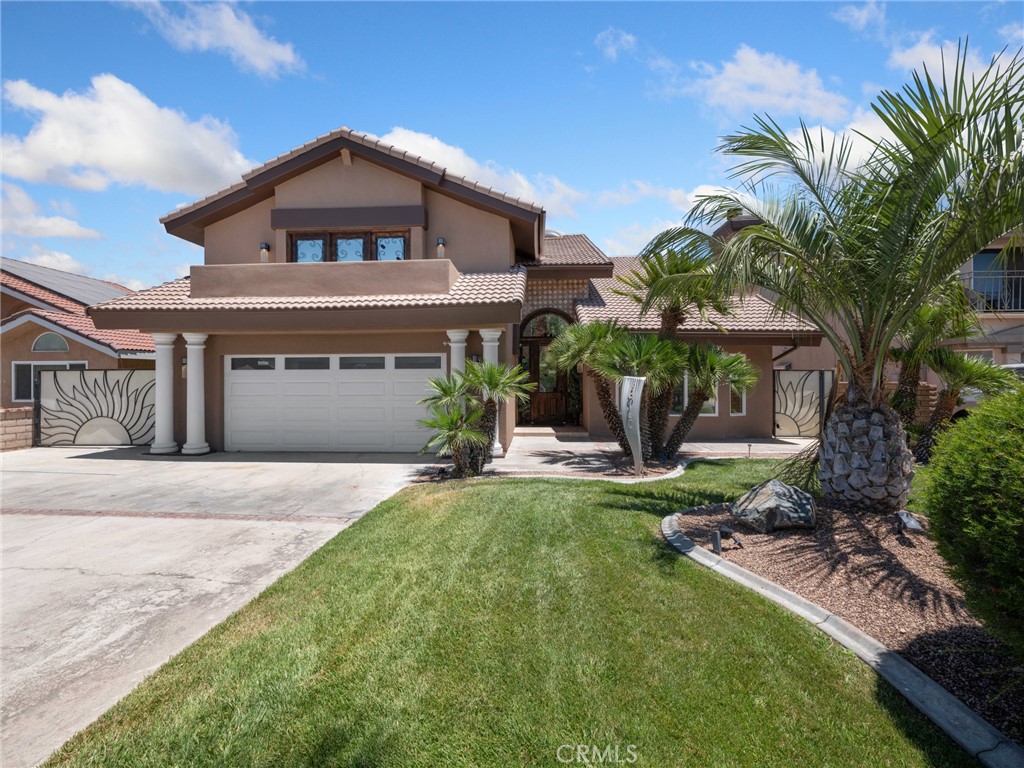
607	114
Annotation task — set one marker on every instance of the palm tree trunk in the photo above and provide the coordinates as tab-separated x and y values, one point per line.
660	409
481	454
864	459
684	425
610	411
937	422
904	399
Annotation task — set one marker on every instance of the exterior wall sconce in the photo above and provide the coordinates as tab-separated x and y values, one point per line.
264	252
440	247
475	358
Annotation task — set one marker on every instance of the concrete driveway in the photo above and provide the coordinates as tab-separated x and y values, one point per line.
113	561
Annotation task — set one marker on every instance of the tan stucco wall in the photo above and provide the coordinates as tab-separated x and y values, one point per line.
218	346
756	423
236	239
16	346
10	305
476	241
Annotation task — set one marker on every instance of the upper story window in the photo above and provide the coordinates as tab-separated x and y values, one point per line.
318	247
49	342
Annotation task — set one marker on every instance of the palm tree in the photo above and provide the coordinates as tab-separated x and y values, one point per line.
577	345
661	361
959	372
951	317
694	290
856	248
464	411
709	366
493	384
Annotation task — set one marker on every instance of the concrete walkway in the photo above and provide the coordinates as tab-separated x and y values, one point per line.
570	452
113	561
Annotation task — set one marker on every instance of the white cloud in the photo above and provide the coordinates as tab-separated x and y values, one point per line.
557	197
65	262
614	41
113	134
925	51
1012	33
223	28
634	191
862	16
20	216
629	241
765	82
127	282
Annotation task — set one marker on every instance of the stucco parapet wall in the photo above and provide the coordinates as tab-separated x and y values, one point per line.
404	278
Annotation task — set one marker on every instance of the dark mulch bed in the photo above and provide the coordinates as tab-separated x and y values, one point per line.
894	586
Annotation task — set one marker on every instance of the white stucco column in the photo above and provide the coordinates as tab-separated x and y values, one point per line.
195	403
457	344
491	337
163	437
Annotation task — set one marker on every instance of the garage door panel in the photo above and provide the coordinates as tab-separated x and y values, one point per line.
338	409
312	388
251	388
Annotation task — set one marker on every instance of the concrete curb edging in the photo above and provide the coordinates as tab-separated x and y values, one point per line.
977	737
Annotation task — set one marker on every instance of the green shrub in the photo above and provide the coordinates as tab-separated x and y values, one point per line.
975	497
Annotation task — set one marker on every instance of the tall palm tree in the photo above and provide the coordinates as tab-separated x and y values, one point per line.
708	367
578	345
695	290
951	317
857	247
662	362
959	372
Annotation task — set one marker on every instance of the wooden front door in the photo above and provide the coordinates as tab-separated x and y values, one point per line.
548	400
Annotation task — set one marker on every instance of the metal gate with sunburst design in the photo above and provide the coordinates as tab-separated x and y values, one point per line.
108	407
801	398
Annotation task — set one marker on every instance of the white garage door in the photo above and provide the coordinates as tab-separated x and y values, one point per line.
327	402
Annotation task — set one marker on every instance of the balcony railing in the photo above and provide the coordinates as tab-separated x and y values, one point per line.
997	290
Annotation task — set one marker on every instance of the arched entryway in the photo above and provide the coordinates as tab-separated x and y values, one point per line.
558	397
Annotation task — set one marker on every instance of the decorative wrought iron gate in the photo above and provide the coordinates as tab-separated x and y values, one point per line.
97	407
801	398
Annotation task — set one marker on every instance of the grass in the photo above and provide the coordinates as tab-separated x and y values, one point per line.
486	623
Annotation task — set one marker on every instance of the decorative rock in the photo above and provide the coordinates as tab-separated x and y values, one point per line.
773	505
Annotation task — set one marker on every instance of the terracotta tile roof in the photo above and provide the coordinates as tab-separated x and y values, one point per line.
39	293
570	249
469	290
370	142
751	314
119	340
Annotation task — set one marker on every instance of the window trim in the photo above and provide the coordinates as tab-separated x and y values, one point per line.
50	333
330	238
743	402
14	374
686	399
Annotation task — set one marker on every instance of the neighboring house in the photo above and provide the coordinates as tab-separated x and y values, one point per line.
995	283
339	277
44	326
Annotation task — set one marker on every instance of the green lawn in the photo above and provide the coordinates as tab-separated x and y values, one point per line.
487	623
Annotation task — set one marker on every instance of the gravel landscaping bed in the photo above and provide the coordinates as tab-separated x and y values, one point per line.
894	586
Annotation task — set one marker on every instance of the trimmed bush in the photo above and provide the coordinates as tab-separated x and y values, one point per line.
975	498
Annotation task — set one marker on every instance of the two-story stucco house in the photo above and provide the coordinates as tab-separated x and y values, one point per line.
338	277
